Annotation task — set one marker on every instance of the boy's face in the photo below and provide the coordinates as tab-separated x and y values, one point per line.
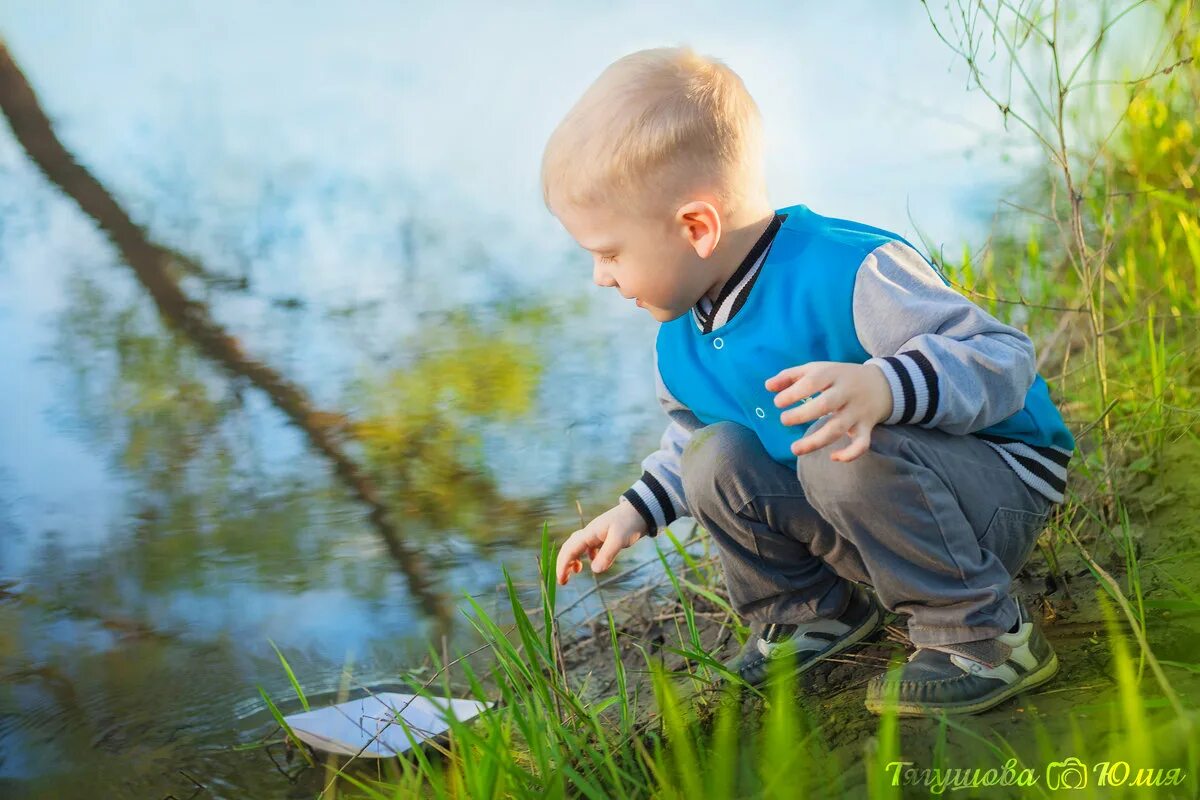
655	261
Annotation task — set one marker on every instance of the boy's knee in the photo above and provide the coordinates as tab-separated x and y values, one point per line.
708	454
827	480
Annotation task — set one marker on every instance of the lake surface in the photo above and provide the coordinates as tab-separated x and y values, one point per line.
354	195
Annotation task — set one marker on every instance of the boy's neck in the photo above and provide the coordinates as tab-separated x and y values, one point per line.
735	245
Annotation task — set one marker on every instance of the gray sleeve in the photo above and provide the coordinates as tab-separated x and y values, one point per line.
949	363
658	495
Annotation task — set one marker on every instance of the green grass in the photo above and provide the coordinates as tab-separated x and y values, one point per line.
546	739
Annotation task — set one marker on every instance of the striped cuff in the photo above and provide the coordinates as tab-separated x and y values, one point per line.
1041	468
652	501
914	387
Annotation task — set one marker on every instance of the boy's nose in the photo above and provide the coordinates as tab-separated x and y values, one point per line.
601	277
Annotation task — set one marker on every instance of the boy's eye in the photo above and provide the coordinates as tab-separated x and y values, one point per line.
606	260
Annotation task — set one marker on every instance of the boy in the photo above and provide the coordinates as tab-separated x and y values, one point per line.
785	333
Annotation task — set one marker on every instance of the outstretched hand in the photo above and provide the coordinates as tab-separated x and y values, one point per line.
856	397
602	538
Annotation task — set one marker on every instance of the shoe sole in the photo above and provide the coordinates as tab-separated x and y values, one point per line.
869	626
1028	681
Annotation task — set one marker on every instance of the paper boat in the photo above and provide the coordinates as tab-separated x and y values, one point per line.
375	724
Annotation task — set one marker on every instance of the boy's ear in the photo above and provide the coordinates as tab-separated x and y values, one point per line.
700	223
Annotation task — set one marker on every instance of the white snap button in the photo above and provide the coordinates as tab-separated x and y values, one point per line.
717	343
760	413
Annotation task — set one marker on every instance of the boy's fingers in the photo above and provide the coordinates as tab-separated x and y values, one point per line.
560	564
571	568
829	433
563	568
816	408
574	547
785	377
612	546
804	388
600	544
861	442
565	574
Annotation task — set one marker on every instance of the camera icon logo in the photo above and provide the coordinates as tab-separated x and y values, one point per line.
1071	773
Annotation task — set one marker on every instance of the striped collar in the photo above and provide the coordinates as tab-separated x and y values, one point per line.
708	315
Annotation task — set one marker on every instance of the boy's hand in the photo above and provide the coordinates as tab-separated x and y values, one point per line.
602	539
856	395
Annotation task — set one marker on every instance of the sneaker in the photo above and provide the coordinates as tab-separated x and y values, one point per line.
969	677
807	643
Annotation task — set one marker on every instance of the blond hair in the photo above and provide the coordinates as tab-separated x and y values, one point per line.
656	125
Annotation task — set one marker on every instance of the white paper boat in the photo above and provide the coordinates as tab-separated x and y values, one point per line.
373	725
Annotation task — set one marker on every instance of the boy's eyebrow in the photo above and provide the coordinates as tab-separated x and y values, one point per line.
600	248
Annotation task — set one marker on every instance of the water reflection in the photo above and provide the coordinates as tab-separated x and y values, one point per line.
162	387
150	263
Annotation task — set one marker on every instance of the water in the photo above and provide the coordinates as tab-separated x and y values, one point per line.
357	189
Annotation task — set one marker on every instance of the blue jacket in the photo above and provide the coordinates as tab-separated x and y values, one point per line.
828	289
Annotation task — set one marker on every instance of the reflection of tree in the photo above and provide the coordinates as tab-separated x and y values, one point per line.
151	264
144	392
166	412
421	423
170	418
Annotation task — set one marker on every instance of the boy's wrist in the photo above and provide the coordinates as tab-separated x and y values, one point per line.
633	498
652	500
914	385
895	391
883	396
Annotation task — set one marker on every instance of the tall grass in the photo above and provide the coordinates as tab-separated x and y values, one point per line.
1117	289
767	745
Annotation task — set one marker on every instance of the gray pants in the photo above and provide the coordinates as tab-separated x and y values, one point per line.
936	523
